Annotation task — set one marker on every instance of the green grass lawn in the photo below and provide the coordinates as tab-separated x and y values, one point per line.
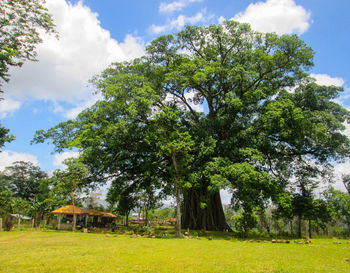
82	252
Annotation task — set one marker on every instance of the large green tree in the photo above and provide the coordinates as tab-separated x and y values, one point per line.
23	179
20	22
261	115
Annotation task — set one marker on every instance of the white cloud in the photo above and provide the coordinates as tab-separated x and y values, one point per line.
324	79
175	6
339	170
8	157
221	19
59	158
72	113
83	50
8	106
280	16
178	23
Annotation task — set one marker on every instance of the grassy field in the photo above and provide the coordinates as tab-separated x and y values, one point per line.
82	252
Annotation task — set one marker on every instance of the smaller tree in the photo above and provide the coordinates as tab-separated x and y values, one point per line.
340	204
174	144
149	200
123	196
322	213
71	180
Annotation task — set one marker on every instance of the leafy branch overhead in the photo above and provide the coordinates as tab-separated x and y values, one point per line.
20	26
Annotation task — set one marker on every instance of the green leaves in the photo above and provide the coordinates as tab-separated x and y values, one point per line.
265	121
19	25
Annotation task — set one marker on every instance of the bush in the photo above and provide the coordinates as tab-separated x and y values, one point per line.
8	225
149	230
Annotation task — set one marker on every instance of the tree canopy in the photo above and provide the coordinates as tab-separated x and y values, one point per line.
235	108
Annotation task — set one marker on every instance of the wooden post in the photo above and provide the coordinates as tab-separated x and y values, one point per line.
86	220
19	223
45	223
74	221
32	223
59	221
0	224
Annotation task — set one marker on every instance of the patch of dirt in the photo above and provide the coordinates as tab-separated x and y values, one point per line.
15	238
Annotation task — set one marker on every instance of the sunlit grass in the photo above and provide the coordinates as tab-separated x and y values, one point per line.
81	252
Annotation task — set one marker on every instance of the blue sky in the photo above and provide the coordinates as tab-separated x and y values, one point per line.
94	33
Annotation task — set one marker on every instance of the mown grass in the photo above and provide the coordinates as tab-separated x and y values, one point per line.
81	252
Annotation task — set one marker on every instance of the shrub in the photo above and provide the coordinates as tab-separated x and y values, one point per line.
8	224
149	230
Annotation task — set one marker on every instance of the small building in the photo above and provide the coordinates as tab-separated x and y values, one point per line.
71	212
19	216
100	219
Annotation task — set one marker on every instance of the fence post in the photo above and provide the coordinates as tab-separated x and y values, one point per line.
0	224
32	223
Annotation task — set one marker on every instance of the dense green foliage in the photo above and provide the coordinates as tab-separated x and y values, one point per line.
264	122
23	190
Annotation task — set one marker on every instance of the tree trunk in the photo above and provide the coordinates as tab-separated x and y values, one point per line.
310	231
291	227
299	225
211	217
74	218
127	219
178	213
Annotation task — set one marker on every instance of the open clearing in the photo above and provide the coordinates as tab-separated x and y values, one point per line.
81	252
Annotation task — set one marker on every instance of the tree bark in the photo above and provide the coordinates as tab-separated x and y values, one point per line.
127	219
211	217
299	225
310	231
74	218
178	213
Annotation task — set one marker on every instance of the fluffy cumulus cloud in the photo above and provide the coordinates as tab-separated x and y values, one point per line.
65	65
324	79
280	16
8	157
8	106
59	158
175	5
178	23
